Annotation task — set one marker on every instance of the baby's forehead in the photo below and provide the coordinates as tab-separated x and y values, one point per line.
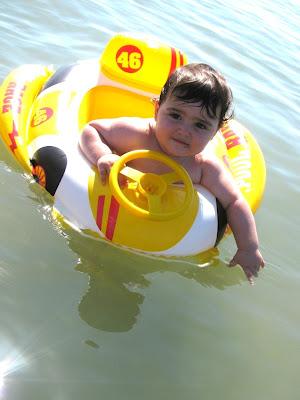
199	108
175	101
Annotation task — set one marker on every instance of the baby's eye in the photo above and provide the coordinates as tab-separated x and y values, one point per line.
200	125
175	115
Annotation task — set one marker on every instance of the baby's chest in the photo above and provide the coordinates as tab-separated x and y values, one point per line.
155	167
147	165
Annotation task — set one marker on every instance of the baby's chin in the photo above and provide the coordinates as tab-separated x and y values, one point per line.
177	150
180	152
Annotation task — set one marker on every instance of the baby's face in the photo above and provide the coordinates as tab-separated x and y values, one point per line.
184	129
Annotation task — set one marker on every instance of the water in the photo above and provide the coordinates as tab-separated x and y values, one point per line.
81	319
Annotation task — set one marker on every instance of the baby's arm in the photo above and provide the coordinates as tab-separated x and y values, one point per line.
96	148
92	142
104	140
240	218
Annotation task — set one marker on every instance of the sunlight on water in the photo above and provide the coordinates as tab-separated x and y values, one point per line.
8	366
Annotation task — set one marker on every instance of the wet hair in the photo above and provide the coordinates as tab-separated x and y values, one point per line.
200	83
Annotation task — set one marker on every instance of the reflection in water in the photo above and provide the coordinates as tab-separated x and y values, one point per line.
109	304
117	279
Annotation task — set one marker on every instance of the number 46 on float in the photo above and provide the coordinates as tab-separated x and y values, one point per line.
129	58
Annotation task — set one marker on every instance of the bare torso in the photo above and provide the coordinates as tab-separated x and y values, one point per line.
139	133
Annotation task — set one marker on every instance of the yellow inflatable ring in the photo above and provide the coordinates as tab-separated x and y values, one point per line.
151	186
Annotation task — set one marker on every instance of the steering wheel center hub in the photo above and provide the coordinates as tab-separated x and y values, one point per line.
152	184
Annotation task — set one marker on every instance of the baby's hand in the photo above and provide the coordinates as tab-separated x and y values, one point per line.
250	260
104	165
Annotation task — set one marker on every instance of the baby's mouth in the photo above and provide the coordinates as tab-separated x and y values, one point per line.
181	142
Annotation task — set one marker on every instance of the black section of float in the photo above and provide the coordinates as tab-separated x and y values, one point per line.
60	75
53	162
222	222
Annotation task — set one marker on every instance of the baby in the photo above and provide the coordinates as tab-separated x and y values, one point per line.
193	105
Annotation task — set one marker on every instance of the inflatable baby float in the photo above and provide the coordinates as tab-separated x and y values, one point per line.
42	113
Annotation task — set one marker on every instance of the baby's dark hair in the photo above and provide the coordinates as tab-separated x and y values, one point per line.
200	83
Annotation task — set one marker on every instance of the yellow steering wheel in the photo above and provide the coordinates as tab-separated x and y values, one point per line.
149	185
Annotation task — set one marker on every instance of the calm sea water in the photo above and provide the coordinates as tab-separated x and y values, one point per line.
81	319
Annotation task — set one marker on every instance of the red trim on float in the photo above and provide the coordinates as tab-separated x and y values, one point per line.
173	61
181	59
12	135
112	218
100	209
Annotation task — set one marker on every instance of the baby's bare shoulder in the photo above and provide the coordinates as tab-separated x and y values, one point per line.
208	161
128	133
133	124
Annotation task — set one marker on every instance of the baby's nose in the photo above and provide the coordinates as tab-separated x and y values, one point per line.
185	129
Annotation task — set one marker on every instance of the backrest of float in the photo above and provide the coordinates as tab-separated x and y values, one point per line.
133	70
